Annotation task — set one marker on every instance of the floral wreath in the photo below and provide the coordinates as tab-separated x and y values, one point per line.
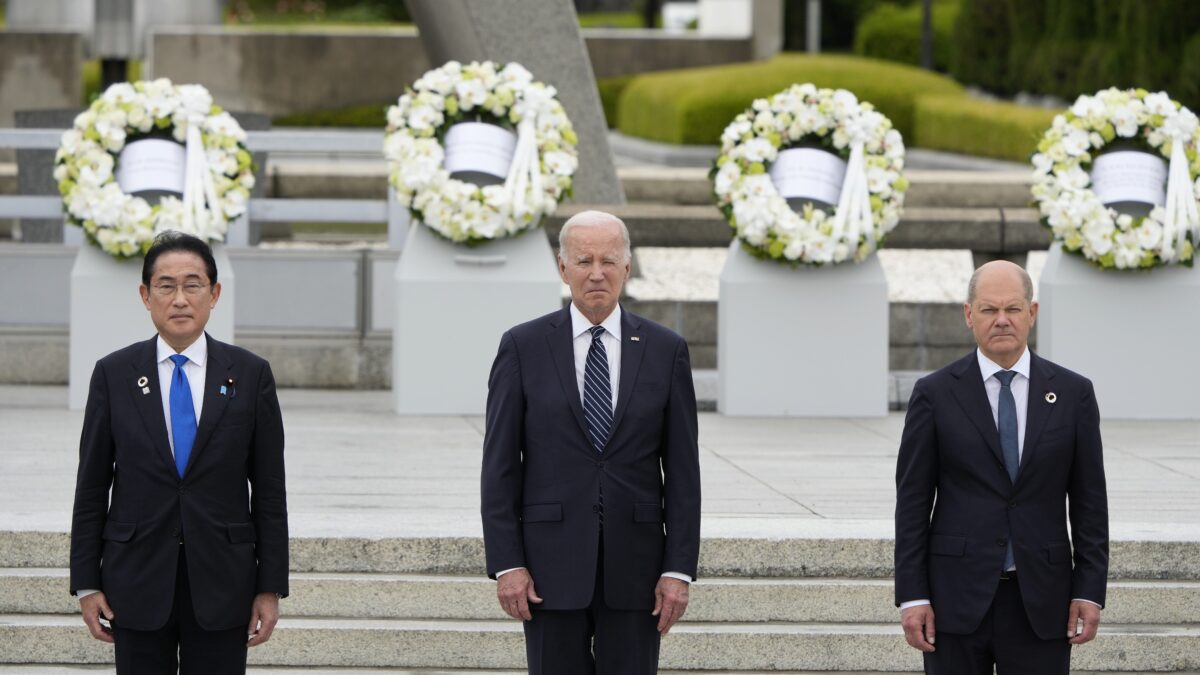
1062	185
872	195
505	95
219	168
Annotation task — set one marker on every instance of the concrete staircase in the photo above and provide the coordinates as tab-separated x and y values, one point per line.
762	605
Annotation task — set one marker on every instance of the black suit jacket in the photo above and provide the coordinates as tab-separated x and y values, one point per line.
542	479
229	508
950	465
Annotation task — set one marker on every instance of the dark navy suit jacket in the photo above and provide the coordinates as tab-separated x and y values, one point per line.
235	538
541	478
956	507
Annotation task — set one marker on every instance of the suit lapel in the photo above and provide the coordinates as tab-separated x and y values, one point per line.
562	350
216	372
150	405
631	360
972	398
1040	375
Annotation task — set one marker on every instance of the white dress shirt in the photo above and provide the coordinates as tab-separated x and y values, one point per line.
1020	391
194	369
581	342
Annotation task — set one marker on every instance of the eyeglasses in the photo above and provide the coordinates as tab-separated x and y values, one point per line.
190	289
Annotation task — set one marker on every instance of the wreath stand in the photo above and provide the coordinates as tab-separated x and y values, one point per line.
452	305
804	342
1132	333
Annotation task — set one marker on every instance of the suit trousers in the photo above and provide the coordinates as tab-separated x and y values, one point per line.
181	643
1004	640
597	640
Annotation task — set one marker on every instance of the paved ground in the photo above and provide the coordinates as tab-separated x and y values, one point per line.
357	469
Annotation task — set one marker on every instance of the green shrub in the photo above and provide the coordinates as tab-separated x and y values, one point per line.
370	115
983	128
694	106
611	89
1187	89
893	32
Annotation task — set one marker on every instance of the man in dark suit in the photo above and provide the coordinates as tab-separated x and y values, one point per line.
591	478
187	558
994	448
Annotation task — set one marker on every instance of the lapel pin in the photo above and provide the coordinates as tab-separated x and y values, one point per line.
143	382
228	389
1051	397
634	338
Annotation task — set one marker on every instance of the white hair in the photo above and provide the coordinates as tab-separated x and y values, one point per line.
586	218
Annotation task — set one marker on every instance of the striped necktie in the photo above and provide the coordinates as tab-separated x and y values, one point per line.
597	392
1006	424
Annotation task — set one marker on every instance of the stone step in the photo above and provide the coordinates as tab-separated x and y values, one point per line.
283	670
62	639
768	556
365	596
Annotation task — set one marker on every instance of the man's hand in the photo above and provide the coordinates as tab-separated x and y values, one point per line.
670	602
1089	614
92	607
515	591
263	616
918	627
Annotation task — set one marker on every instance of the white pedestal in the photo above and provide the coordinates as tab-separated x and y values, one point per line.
1133	333
107	312
452	305
807	342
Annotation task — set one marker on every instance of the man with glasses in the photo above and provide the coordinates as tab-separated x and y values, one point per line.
179	534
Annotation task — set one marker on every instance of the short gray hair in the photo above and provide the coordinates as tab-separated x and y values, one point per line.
584	218
1026	283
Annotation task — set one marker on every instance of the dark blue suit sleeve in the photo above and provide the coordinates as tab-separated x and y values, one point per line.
268	499
1088	504
92	484
681	470
916	487
502	473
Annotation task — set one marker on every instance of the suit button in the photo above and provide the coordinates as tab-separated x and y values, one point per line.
600	464
182	491
1012	505
174	533
595	508
1002	542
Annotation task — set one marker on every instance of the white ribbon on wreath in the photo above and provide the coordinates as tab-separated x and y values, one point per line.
199	191
1181	213
853	216
525	172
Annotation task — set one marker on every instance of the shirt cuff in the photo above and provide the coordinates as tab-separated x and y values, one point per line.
678	575
913	603
511	569
84	592
1089	601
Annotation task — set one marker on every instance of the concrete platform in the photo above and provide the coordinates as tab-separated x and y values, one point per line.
355	469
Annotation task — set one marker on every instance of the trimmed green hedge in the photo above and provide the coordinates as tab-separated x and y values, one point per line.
975	127
694	106
893	33
611	89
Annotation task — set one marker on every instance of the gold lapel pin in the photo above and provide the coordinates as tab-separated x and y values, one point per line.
142	382
634	338
1051	397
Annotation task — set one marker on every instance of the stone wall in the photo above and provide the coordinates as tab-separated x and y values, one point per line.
39	70
284	72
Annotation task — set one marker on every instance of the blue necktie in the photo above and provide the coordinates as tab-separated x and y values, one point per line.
597	392
1006	422
183	414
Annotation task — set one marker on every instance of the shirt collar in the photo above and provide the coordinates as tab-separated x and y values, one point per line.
197	352
580	324
988	367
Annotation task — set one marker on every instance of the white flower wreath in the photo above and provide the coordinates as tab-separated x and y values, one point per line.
1062	186
220	170
543	163
871	198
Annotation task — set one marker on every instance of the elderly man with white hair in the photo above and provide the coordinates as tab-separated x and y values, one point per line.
591	476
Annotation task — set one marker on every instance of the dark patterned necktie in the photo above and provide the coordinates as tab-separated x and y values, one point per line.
1006	423
597	392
